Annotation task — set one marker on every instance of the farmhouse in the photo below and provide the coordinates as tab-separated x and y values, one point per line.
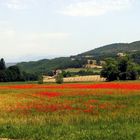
121	54
92	64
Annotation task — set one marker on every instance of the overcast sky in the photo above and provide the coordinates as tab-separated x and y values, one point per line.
36	29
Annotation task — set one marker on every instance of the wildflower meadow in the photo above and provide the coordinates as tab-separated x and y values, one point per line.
76	111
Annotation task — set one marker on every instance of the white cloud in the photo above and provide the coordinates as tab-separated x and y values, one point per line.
14	44
95	7
18	4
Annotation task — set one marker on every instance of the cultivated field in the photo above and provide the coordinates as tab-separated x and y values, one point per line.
84	69
90	78
91	111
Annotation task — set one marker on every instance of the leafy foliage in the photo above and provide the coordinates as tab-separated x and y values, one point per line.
10	74
2	64
110	70
40	79
122	69
59	78
13	74
136	57
29	76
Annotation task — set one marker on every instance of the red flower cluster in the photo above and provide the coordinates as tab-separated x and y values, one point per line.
47	94
130	86
40	98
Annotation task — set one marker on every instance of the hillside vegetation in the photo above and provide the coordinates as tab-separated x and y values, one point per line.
45	66
113	49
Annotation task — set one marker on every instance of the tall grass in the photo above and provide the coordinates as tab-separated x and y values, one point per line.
77	114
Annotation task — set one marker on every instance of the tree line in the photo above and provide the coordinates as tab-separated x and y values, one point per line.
13	73
120	69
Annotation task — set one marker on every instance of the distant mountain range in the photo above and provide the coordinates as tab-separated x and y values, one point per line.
46	65
10	64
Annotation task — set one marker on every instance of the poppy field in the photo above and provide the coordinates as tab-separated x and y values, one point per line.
76	111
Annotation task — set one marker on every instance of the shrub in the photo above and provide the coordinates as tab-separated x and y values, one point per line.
59	79
40	79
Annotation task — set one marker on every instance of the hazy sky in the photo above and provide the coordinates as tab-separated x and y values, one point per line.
36	29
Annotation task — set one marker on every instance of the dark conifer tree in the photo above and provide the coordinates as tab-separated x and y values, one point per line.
2	64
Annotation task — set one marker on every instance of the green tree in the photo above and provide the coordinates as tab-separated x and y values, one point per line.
66	73
3	76
121	69
2	64
59	78
40	79
29	76
132	71
127	69
15	73
110	70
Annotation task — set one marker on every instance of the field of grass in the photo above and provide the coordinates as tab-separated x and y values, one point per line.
86	111
84	69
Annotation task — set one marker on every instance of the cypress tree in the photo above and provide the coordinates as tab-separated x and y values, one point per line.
2	64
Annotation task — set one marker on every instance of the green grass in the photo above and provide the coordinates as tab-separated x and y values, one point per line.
120	120
81	127
79	69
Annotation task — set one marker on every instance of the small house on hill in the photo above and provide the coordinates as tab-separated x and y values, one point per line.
121	54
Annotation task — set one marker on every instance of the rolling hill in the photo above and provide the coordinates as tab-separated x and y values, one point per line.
10	64
113	49
46	65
